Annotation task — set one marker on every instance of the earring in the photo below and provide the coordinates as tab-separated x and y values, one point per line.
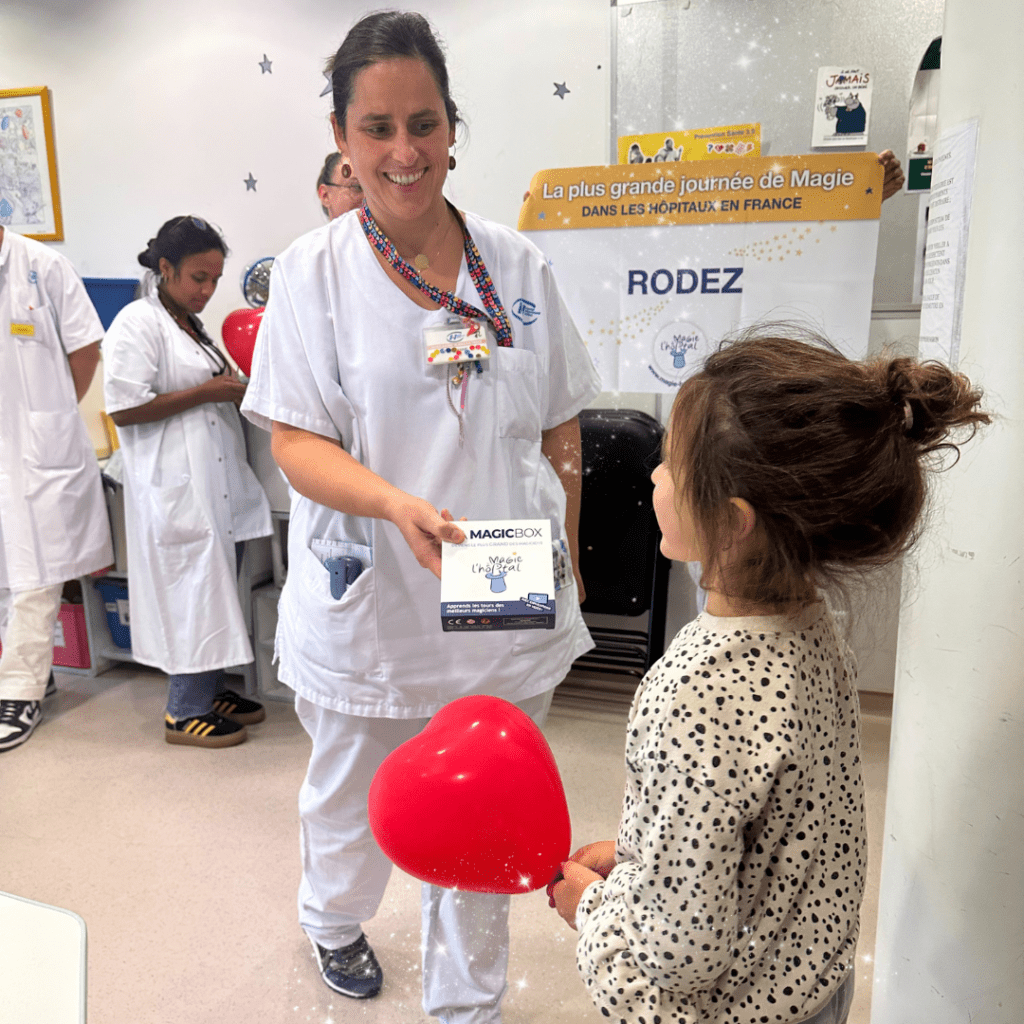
451	163
346	171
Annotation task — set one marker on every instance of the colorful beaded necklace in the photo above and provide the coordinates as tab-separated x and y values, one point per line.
495	314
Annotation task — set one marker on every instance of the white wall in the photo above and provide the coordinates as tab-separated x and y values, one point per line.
951	901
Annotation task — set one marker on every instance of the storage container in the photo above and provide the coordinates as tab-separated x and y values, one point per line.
115	601
71	638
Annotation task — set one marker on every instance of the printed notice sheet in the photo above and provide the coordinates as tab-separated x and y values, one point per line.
945	261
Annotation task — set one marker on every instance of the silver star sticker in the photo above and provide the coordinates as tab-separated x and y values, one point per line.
250	183
560	90
329	87
265	66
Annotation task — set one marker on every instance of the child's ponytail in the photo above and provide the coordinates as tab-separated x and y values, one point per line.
936	402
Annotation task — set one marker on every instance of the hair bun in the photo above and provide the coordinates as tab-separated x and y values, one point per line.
146	257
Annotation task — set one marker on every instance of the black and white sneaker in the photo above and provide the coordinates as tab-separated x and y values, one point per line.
17	720
51	687
352	970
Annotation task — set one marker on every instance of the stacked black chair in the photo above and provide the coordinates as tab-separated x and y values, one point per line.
622	567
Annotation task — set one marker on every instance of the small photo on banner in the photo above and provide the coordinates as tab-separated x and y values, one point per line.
842	107
729	140
658	262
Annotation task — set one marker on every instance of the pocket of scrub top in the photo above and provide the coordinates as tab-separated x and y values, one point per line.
341	633
518	389
41	359
54	441
177	515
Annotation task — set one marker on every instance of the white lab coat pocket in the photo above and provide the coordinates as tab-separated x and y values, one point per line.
517	379
177	515
41	358
342	634
54	441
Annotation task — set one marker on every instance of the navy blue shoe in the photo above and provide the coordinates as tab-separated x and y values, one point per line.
352	970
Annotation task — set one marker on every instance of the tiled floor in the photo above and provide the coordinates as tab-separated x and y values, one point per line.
184	864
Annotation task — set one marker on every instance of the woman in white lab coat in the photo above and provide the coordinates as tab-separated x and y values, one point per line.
375	438
191	499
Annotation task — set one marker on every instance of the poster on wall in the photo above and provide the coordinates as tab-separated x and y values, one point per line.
658	262
29	198
945	257
842	107
730	140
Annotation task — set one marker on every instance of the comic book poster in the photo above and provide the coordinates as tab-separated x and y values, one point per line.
842	107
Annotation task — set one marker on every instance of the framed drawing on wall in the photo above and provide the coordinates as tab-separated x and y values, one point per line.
29	195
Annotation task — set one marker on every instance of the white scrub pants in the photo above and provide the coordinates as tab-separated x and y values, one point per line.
344	872
27	619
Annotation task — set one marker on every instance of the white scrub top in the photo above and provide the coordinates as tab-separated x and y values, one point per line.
53	519
190	496
341	353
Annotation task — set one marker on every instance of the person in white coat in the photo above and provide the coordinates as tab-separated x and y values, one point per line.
53	518
191	499
375	439
336	189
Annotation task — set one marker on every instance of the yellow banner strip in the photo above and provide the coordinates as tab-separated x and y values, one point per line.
817	187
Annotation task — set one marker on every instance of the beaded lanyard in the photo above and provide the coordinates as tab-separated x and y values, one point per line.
495	315
477	271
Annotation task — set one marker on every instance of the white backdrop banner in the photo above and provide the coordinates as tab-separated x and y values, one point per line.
657	262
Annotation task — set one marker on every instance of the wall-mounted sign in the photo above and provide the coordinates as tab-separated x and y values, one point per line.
657	262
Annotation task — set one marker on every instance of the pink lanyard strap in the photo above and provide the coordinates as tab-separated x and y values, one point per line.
477	271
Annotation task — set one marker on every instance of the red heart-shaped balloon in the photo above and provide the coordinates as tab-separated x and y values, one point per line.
474	802
239	333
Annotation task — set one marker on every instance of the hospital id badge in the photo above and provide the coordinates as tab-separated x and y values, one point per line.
460	341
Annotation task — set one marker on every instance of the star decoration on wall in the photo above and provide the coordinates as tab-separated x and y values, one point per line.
329	87
560	90
265	66
250	183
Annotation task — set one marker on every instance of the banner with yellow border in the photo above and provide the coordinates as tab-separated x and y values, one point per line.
724	142
658	262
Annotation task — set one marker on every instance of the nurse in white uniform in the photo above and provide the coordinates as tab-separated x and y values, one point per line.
53	519
374	440
191	499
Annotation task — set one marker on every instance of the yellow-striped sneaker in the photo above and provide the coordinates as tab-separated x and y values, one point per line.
209	730
239	709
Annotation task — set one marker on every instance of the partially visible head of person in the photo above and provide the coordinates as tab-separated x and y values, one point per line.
188	254
394	117
338	194
829	455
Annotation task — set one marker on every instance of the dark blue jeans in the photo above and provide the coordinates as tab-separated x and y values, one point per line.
190	695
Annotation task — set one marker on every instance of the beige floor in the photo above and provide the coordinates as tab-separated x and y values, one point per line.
184	864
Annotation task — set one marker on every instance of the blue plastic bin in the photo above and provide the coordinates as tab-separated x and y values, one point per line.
115	600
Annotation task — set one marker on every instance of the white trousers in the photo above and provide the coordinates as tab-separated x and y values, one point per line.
26	630
344	872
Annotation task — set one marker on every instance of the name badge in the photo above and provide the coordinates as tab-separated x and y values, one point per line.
23	330
463	341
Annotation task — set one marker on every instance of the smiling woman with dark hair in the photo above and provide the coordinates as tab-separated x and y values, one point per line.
377	426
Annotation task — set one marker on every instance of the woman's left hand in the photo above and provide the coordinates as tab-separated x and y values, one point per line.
567	891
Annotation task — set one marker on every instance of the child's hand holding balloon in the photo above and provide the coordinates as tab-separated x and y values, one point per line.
587	865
